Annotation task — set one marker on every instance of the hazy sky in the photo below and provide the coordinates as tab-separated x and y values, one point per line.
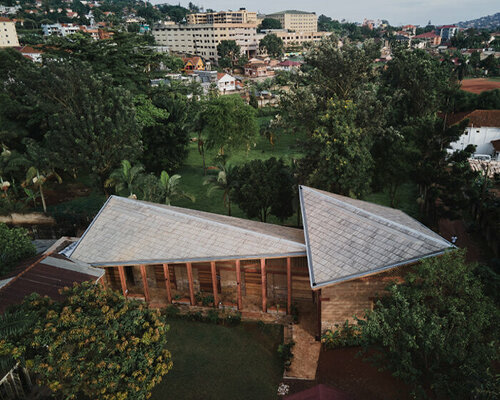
397	12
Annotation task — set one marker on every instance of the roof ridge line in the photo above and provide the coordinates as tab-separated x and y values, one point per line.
385	221
147	204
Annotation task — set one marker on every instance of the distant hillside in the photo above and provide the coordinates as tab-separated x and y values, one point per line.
488	22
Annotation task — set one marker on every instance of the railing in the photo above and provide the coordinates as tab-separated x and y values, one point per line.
12	385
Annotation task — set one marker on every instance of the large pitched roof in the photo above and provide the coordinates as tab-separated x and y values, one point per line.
129	231
348	238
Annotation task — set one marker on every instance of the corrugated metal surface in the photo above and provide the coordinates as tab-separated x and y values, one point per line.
46	276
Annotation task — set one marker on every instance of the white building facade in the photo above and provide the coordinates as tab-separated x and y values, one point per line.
202	39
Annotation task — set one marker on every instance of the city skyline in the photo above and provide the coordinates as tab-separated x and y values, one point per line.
397	12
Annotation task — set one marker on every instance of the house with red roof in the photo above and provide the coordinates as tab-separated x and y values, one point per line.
482	131
429	38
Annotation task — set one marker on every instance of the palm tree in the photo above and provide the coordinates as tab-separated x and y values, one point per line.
223	181
38	178
125	178
170	187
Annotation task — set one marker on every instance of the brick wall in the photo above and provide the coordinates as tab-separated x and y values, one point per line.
344	300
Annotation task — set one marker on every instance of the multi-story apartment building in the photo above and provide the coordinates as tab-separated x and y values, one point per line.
242	16
298	21
202	39
447	31
59	29
299	38
8	33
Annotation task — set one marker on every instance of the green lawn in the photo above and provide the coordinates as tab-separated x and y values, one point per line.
406	199
219	362
192	172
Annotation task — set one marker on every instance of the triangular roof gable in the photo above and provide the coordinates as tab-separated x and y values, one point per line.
128	231
348	239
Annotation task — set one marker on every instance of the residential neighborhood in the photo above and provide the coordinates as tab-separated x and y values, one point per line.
254	201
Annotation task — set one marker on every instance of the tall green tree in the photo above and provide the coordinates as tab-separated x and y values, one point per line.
89	124
166	140
272	45
338	155
438	331
263	188
228	123
229	52
92	344
269	23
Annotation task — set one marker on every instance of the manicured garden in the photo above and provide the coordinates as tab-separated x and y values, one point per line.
221	362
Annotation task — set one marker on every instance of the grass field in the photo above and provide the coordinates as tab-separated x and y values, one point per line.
285	147
219	362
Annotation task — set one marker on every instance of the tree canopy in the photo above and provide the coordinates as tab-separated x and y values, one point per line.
93	344
228	123
437	331
272	44
261	188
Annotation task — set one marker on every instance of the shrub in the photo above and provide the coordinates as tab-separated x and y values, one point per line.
213	316
172	311
285	353
345	335
15	244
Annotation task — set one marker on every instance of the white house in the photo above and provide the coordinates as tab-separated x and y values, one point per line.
483	129
225	83
59	29
31	53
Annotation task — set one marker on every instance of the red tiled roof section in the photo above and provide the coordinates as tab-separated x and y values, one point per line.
490	118
4	19
426	35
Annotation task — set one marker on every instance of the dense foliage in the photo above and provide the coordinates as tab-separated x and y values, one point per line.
93	344
15	244
438	331
272	45
266	187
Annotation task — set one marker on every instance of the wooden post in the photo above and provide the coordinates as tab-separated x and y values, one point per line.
238	284
214	284
166	273
145	282
264	283
123	281
190	278
289	285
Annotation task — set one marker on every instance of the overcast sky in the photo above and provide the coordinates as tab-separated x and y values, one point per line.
397	12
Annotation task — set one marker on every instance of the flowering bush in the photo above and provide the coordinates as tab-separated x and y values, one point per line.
94	344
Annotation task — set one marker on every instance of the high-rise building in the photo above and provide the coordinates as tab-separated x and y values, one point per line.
202	39
298	21
8	33
242	16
